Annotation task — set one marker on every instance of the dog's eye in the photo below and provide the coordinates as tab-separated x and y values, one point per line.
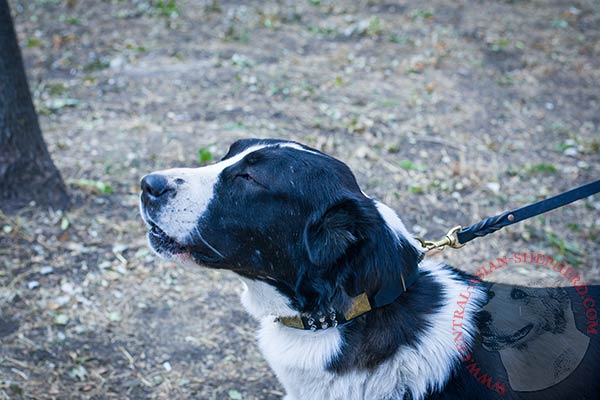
518	294
246	177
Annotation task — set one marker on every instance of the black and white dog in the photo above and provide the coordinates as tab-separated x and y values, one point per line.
348	306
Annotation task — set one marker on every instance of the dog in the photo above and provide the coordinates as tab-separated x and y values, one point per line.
348	306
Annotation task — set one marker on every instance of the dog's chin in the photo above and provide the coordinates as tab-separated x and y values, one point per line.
496	342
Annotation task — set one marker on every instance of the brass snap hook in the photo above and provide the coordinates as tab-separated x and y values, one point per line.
450	239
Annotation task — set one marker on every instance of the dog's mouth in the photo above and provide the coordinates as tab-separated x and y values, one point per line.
167	247
494	342
162	243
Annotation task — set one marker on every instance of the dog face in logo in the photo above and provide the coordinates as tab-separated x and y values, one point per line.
538	311
534	331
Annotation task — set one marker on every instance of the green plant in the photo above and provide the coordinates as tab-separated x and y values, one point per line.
204	155
375	27
33	42
566	251
166	8
94	186
500	44
542	168
421	14
416	189
96	65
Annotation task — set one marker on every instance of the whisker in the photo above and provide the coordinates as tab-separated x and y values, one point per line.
208	244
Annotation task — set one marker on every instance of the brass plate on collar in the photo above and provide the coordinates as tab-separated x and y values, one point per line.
292	322
360	305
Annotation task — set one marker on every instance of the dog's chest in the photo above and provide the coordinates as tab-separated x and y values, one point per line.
299	359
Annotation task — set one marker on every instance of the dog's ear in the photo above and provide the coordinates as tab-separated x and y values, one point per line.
330	234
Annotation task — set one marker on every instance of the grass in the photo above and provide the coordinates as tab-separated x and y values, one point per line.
213	7
500	44
560	23
55	89
422	14
374	28
234	33
232	126
593	146
242	61
33	42
95	186
204	155
410	166
96	65
416	189
574	227
400	39
567	251
542	168
166	8
326	31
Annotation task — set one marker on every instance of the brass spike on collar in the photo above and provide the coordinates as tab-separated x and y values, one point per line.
292	322
358	306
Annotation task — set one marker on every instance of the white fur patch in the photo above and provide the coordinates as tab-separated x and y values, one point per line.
263	300
395	223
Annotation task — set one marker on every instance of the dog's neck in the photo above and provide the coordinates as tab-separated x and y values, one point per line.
385	268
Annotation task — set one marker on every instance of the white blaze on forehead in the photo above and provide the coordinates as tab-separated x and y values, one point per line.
179	217
299	147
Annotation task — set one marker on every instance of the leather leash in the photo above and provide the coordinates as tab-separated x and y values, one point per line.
458	236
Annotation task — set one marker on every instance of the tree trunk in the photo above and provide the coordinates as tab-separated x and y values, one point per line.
26	170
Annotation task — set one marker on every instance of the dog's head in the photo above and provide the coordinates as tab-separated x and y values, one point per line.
517	315
279	212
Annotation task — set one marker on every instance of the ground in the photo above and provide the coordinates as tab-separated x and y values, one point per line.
447	111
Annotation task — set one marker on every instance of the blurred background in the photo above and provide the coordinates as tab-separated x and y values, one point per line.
448	111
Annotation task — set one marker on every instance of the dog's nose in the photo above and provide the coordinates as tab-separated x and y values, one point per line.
485	316
155	185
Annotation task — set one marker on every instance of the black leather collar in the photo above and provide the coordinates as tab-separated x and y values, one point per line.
359	305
